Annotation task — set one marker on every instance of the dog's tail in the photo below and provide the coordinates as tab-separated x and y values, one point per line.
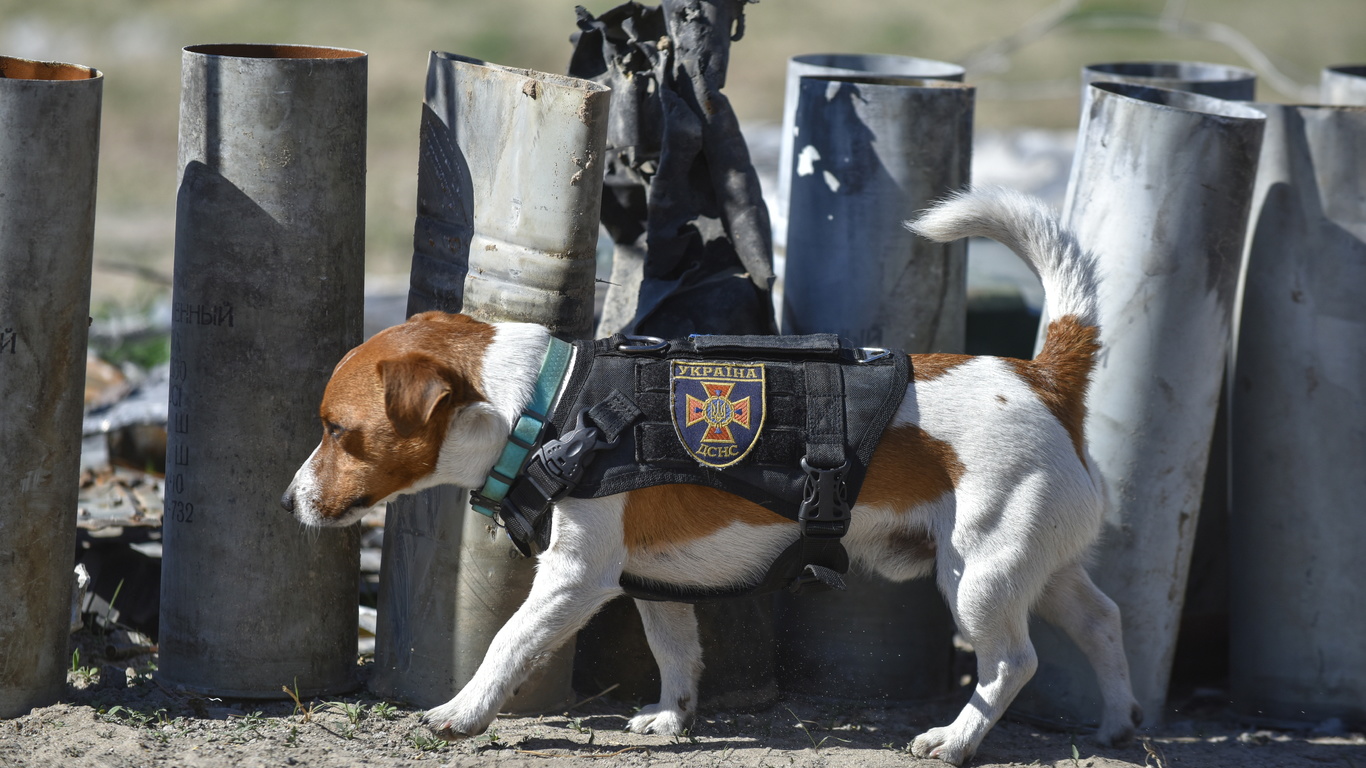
1068	273
1029	228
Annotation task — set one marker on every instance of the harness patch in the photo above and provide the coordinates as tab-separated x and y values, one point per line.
718	409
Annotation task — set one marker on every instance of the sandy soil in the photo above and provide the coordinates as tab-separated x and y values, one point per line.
114	715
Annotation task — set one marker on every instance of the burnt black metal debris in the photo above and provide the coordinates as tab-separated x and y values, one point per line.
681	201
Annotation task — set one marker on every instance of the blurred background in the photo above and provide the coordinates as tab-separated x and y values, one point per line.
1024	56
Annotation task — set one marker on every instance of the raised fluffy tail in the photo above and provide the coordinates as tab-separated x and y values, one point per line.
1027	226
1061	371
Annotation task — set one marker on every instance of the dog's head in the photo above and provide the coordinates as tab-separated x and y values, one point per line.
404	411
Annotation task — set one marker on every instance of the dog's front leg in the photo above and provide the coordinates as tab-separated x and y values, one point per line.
575	576
671	630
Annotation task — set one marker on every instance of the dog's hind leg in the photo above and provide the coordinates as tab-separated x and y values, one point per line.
993	616
671	629
574	578
1075	605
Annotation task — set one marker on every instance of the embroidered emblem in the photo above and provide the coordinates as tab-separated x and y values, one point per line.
718	409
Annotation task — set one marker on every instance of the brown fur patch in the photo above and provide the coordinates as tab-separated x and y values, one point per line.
914	544
910	468
1061	372
672	514
363	457
930	367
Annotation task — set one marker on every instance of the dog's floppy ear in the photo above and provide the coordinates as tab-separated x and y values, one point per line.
414	385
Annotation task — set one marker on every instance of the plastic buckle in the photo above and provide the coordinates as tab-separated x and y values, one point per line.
824	511
566	457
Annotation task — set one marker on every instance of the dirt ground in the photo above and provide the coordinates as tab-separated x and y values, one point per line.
115	715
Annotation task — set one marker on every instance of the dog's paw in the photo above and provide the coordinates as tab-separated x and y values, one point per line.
658	719
941	744
1120	730
451	724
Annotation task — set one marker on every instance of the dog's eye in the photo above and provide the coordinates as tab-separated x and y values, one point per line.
334	430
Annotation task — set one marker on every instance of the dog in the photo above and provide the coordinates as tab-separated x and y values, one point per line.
982	480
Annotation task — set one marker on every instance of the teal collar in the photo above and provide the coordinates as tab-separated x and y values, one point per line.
526	433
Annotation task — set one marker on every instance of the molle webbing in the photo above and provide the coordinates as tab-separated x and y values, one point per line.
822	400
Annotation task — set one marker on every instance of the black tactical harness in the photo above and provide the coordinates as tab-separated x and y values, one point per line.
787	422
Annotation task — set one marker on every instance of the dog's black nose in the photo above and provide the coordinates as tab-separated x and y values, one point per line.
287	501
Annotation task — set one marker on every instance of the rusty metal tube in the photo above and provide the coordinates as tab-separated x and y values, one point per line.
49	152
1298	425
1160	193
268	294
509	190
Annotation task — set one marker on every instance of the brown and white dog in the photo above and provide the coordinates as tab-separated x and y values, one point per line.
982	479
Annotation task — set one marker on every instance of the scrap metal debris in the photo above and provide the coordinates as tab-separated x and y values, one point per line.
681	199
114	498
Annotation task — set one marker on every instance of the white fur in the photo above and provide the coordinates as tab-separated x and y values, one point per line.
479	430
1025	225
303	493
1011	536
476	434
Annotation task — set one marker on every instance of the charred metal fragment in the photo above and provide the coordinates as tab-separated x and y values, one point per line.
682	203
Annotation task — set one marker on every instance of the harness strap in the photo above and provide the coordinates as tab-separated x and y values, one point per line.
549	470
556	467
824	511
817	557
824	415
614	414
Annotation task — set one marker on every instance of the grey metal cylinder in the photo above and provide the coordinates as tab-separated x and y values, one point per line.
870	152
1161	194
844	64
1298	425
1221	81
509	191
1204	622
268	294
507	194
416	638
1343	85
49	153
877	642
1218	80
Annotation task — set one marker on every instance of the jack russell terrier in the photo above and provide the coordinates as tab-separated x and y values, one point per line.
981	478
